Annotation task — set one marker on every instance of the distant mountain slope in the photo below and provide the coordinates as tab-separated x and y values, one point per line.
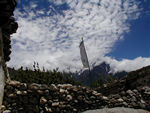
101	70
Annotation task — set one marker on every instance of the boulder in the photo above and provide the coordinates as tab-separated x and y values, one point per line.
117	110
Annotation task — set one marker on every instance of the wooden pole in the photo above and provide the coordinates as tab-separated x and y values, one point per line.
2	76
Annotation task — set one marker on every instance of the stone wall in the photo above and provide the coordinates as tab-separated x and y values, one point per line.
133	80
65	98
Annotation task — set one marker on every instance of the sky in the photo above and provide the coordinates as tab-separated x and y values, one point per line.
114	31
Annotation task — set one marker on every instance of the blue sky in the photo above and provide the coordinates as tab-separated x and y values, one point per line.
137	41
114	31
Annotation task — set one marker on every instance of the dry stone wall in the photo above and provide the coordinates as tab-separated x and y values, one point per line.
66	98
133	80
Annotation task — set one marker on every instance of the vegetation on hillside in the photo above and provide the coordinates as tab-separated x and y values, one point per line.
42	76
101	81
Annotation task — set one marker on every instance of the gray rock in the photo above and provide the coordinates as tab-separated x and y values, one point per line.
48	110
63	91
68	97
130	92
53	87
43	100
65	86
14	83
7	111
54	104
120	100
117	110
96	94
34	86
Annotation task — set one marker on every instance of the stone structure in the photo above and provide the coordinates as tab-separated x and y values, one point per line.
135	79
7	27
65	98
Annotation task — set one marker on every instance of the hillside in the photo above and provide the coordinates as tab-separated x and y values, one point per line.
41	76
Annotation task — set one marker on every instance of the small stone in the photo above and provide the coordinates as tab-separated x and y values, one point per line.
23	86
124	98
133	99
120	100
34	86
7	111
49	110
123	93
11	95
24	92
46	92
53	87
65	86
50	101
96	94
55	104
62	91
21	108
62	106
80	98
125	104
75	89
135	91
43	100
75	110
14	104
3	107
19	92
76	101
55	100
130	92
134	104
92	97
105	98
142	101
40	92
62	103
43	87
69	97
14	83
113	100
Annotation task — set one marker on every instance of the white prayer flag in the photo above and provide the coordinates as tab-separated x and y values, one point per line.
84	57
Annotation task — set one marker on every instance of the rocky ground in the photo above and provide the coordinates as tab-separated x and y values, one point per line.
117	110
66	98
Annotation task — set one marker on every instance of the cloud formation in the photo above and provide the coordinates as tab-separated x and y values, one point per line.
51	34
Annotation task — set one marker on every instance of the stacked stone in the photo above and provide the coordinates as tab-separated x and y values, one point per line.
130	99
145	92
62	98
66	98
7	24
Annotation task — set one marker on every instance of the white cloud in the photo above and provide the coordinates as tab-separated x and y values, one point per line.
126	64
53	40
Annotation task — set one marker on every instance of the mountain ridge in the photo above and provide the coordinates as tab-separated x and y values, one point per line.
102	69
